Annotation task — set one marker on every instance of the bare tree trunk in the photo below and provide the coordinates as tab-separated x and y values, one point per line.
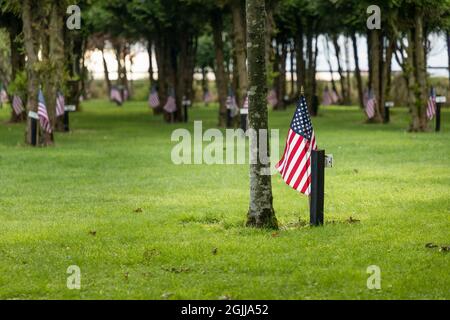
349	75
375	72
261	213
221	76
150	62
299	57
386	72
333	83
337	50
358	71
238	13
292	54
448	53
32	60
419	122
162	60
106	73
56	47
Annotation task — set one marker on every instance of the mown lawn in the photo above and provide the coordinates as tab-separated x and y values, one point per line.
75	203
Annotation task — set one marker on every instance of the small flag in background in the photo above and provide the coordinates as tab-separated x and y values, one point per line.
3	96
327	98
334	96
431	104
245	106
207	97
171	105
295	165
17	105
116	96
153	98
231	103
370	105
60	104
42	113
272	98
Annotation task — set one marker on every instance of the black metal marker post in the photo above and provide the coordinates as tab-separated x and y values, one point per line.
66	121
229	118
438	117
244	119
317	187
34	117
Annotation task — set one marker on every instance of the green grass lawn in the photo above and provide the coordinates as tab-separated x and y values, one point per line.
117	160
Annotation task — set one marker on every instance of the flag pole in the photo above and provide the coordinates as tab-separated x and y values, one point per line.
316	198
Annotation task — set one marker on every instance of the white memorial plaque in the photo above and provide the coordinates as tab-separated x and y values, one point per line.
70	108
329	161
244	111
441	99
33	115
389	104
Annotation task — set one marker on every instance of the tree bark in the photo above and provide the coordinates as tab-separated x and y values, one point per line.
299	57
448	53
358	71
419	121
261	213
221	76
56	53
337	50
150	62
375	71
32	59
238	13
106	73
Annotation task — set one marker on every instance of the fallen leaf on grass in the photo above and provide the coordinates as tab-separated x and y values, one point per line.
166	295
444	249
93	233
176	270
214	251
138	210
351	220
275	234
431	245
225	297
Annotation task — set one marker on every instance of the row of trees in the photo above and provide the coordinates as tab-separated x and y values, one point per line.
184	35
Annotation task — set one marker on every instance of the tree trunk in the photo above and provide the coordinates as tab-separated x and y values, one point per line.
386	73
150	63
337	50
221	76
333	83
448	54
419	121
32	60
299	57
261	212
106	73
56	51
291	56
347	66
162	61
375	72
358	71
238	13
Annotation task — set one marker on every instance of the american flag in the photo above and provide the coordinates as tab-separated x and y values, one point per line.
295	165
334	96
431	104
327	97
17	105
153	99
231	104
126	94
245	106
207	97
42	113
370	105
3	96
60	104
272	98
116	96
171	105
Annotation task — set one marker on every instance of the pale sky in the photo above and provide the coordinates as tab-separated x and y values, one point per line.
437	58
